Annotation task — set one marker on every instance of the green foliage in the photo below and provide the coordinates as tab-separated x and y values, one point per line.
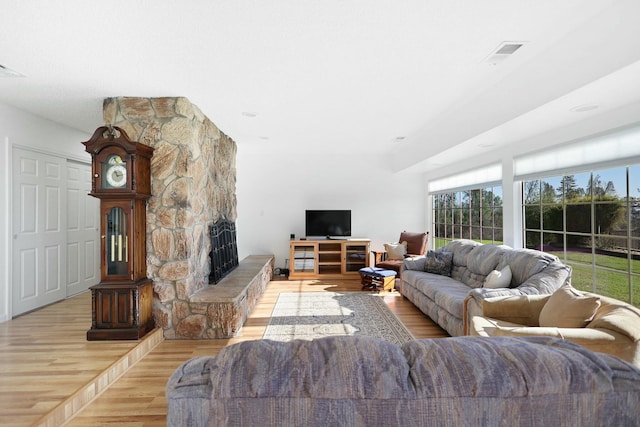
611	281
610	213
569	188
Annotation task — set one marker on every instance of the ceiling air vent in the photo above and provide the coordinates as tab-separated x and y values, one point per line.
503	51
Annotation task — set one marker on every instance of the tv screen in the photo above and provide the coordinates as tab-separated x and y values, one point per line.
328	223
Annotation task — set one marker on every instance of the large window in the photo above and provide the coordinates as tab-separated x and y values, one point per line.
591	221
472	214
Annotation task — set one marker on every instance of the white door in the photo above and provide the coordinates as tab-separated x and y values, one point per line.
83	230
39	230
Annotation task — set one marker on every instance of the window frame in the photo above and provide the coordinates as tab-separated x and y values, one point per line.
596	233
462	214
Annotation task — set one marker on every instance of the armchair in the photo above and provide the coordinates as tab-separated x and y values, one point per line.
416	245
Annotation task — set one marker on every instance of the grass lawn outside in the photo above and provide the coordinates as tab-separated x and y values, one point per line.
611	275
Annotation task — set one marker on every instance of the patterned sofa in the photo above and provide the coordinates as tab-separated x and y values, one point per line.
451	297
362	381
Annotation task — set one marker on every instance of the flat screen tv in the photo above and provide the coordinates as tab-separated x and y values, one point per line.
328	223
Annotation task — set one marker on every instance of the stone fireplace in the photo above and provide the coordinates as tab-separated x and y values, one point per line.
193	177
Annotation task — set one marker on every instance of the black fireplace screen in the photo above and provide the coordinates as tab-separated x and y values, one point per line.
224	250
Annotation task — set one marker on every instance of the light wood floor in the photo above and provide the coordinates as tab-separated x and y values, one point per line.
45	358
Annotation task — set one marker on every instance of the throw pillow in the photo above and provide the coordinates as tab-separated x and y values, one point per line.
438	262
395	251
567	308
498	279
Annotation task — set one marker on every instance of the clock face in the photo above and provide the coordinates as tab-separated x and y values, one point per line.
117	176
115	172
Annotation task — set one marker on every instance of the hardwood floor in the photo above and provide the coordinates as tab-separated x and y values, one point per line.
45	359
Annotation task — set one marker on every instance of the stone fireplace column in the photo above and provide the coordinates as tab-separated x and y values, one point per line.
193	181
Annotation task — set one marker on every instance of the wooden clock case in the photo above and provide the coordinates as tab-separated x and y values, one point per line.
122	303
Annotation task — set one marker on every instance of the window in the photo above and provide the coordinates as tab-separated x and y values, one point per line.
469	214
591	221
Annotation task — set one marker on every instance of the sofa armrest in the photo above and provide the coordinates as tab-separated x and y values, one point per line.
416	263
619	317
520	309
473	304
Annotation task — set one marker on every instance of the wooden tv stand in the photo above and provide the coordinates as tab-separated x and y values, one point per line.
328	259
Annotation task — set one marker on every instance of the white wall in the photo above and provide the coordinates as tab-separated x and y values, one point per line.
275	187
18	128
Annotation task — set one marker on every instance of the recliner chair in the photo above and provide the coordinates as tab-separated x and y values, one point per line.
416	246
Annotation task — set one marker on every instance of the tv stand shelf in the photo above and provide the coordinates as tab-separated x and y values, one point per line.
328	259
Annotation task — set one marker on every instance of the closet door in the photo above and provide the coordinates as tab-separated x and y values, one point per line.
38	230
83	230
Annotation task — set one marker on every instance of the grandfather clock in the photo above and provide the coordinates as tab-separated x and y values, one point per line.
122	303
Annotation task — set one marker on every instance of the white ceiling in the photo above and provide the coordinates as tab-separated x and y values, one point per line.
407	79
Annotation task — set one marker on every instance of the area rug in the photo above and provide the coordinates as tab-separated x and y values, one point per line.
311	315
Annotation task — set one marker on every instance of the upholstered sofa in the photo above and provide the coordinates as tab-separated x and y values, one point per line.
594	321
452	296
362	381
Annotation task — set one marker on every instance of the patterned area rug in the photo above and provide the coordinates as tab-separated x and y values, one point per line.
311	315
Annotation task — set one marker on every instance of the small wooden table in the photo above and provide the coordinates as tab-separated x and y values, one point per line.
374	278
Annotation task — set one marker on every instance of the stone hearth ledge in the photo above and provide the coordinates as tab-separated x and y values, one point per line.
228	303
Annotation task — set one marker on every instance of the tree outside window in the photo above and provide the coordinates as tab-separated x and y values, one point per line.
470	214
591	221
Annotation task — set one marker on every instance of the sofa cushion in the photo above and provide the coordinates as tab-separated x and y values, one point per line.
445	292
322	368
452	299
460	249
506	330
484	258
518	309
568	308
395	251
498	278
472	261
438	262
546	281
430	284
525	263
524	368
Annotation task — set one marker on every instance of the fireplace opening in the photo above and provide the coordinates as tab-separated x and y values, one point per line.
224	250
